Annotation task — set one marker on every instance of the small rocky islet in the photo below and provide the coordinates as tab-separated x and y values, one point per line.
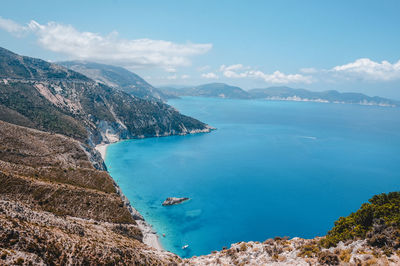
174	201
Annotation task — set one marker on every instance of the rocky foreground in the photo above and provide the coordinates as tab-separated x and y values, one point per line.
297	251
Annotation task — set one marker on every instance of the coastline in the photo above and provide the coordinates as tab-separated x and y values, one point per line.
150	237
102	149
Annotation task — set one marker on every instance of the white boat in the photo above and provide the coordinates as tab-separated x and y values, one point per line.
185	246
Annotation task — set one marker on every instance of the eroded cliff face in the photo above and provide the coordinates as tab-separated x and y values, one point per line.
37	94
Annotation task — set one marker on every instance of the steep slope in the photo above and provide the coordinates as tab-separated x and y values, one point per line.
57	209
37	94
219	90
116	77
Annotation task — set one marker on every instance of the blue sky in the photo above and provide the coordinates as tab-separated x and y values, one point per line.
320	45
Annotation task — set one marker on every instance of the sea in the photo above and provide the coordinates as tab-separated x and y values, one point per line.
271	168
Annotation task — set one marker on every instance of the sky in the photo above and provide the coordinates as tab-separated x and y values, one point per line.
349	45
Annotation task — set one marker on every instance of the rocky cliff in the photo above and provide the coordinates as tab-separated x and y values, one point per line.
45	96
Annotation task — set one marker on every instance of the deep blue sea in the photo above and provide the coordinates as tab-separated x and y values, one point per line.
272	168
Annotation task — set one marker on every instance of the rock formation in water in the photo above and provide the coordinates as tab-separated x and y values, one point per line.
173	201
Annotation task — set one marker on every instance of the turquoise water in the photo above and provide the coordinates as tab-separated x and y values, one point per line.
271	169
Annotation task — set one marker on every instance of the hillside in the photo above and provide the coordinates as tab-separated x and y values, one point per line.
49	97
56	208
116	77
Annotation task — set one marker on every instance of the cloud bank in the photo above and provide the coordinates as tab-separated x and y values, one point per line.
167	55
67	40
277	77
365	68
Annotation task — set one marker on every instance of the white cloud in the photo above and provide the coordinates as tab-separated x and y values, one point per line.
12	27
110	48
210	75
365	68
239	71
185	76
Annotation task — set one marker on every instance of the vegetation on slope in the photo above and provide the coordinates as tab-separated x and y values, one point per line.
22	104
56	208
53	173
377	221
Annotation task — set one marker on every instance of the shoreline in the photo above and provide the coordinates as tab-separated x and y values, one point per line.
150	236
102	149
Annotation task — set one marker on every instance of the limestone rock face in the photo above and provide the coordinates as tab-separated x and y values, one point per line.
173	201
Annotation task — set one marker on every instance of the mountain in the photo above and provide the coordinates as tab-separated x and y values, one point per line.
332	96
219	90
116	77
52	98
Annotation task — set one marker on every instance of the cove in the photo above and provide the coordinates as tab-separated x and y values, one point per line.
272	168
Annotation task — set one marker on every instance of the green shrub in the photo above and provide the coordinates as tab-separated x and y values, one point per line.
384	207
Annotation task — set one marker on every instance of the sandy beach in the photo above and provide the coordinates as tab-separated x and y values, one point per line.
150	237
102	148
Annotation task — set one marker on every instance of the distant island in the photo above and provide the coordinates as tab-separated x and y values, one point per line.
221	90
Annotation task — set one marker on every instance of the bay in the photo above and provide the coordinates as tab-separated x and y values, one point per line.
272	168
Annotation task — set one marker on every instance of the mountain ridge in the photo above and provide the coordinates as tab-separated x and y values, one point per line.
282	93
116	77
